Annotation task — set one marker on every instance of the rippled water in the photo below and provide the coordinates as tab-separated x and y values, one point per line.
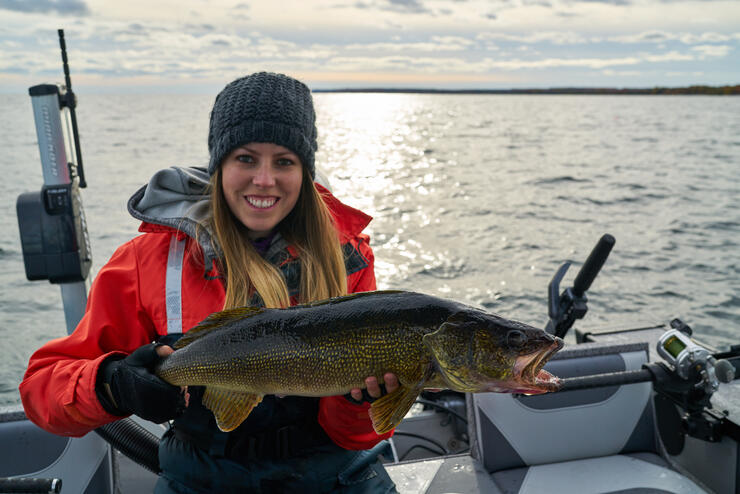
476	198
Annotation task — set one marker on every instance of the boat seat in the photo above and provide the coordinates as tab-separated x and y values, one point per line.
83	464
600	440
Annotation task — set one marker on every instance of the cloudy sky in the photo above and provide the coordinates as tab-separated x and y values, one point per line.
198	45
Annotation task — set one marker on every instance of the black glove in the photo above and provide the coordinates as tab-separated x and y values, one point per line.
129	385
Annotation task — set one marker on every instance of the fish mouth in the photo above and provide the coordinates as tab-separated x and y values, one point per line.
530	377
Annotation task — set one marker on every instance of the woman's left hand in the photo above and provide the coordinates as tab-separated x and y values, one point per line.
373	386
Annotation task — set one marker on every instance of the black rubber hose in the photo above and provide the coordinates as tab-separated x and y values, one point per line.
439	445
443	408
30	485
134	441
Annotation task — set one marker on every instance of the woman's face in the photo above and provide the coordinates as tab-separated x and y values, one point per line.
261	182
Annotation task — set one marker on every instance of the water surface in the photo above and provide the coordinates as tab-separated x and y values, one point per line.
475	197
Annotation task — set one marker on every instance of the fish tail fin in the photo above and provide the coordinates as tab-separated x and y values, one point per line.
216	321
230	408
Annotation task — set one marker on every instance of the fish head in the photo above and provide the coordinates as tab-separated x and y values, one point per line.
477	352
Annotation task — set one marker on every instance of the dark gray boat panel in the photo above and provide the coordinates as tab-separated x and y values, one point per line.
84	464
26	448
496	449
643	436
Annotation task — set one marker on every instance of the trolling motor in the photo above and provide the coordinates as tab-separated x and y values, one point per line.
564	309
54	239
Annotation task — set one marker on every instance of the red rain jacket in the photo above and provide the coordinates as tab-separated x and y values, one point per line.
126	309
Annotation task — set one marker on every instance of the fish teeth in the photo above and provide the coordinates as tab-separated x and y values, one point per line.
261	203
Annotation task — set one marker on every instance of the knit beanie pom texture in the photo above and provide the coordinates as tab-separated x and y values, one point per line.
263	107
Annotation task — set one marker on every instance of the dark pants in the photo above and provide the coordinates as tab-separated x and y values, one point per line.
187	469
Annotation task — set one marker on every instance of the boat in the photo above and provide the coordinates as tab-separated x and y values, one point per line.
647	409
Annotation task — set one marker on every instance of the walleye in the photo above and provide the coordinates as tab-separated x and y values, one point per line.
329	347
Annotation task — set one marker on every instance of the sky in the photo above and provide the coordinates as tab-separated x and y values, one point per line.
200	45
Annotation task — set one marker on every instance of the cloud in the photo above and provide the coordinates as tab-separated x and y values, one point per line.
407	6
397	6
618	3
554	37
672	56
63	7
718	51
621	73
685	38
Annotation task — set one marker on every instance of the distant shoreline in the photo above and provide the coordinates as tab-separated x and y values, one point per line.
689	90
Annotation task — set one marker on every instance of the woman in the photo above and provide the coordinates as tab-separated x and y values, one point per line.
252	229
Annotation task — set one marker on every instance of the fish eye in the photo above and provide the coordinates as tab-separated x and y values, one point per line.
516	339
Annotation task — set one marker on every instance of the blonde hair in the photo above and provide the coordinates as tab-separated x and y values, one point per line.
309	228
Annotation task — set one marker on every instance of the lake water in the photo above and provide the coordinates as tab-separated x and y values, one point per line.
478	198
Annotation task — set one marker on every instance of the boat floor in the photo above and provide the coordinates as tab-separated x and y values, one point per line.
456	473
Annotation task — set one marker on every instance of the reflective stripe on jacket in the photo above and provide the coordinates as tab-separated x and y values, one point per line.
128	307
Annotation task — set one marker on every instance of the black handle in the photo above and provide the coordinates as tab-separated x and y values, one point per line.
26	484
593	264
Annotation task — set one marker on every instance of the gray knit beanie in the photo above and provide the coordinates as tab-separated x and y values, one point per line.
263	107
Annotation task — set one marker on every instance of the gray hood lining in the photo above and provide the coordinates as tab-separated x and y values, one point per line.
177	197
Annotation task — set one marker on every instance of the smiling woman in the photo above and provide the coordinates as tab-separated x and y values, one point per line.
251	229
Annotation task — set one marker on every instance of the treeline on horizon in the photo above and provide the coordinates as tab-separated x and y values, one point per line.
658	90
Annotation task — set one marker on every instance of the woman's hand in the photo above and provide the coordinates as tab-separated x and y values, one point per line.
390	381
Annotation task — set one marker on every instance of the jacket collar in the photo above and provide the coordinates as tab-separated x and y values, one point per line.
348	220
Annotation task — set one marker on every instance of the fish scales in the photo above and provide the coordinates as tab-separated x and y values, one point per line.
329	347
275	352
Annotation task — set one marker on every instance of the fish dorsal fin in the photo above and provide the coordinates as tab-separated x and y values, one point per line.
230	408
351	296
388	411
214	322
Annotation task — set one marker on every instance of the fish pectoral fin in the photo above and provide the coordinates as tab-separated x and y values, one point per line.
388	411
229	407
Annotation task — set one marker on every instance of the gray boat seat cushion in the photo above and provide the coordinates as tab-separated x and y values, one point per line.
577	437
643	473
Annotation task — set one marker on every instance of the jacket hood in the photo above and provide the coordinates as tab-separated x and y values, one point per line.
174	197
177	198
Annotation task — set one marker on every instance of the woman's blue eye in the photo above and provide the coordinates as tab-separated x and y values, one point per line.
285	162
245	158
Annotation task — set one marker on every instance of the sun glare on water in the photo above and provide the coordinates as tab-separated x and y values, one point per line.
365	140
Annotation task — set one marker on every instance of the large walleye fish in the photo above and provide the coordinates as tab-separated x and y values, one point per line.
327	348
